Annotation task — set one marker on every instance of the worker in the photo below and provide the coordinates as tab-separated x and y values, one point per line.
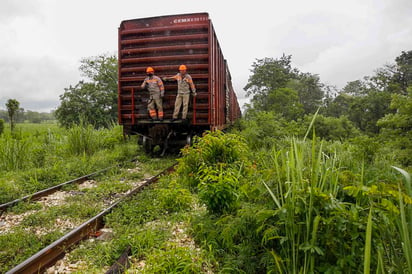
184	86
156	90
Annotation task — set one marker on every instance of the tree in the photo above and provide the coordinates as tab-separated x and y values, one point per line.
93	101
33	117
85	103
272	79
4	115
284	101
397	127
355	88
20	115
331	128
365	111
394	78
12	108
339	106
366	101
309	89
403	74
1	126
268	74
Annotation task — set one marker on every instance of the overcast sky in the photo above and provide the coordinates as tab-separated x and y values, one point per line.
42	41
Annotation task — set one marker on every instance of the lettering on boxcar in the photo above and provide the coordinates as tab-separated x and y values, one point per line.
189	20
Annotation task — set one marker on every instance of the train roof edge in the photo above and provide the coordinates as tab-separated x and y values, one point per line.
163	17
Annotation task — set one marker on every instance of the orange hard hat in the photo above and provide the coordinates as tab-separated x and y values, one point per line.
182	67
149	69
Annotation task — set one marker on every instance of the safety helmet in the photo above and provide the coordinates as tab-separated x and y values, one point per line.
182	67
149	69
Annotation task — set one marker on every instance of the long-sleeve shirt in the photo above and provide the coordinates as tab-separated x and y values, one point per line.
184	83
155	85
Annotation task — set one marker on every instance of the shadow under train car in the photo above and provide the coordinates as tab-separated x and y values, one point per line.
158	137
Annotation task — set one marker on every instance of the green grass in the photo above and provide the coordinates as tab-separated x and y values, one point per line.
300	206
21	244
32	128
146	223
77	209
40	156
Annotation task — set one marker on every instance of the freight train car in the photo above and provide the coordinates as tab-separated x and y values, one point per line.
164	43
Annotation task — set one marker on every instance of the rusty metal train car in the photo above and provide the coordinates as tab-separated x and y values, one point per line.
164	43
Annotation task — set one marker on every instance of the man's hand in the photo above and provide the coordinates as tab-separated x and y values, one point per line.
143	85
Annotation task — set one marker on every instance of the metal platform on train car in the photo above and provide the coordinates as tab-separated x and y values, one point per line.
165	121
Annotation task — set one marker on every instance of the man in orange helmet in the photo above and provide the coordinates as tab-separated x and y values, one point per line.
156	89
184	86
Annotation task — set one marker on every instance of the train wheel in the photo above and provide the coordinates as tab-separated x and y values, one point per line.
147	145
140	140
189	139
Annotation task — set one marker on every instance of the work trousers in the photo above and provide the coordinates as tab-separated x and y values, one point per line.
155	101
181	98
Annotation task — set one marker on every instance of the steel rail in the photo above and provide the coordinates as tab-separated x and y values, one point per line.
122	263
50	190
56	250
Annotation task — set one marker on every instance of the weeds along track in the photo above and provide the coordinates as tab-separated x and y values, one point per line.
51	197
45	192
50	217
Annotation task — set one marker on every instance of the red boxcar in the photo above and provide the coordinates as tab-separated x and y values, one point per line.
164	43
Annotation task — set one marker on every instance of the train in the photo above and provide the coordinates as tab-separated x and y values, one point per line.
164	43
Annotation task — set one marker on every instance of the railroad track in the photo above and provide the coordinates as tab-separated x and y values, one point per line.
45	192
55	251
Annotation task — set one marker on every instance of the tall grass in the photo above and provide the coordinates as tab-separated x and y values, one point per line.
13	153
304	174
319	225
39	156
368	244
404	224
82	139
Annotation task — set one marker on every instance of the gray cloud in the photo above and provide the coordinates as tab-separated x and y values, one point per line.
35	82
341	41
345	46
10	9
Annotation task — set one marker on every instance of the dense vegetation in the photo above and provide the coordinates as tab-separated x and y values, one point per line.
300	206
374	110
311	180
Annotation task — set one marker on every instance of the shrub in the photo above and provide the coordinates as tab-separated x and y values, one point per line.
213	166
210	150
219	188
1	126
331	128
264	129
